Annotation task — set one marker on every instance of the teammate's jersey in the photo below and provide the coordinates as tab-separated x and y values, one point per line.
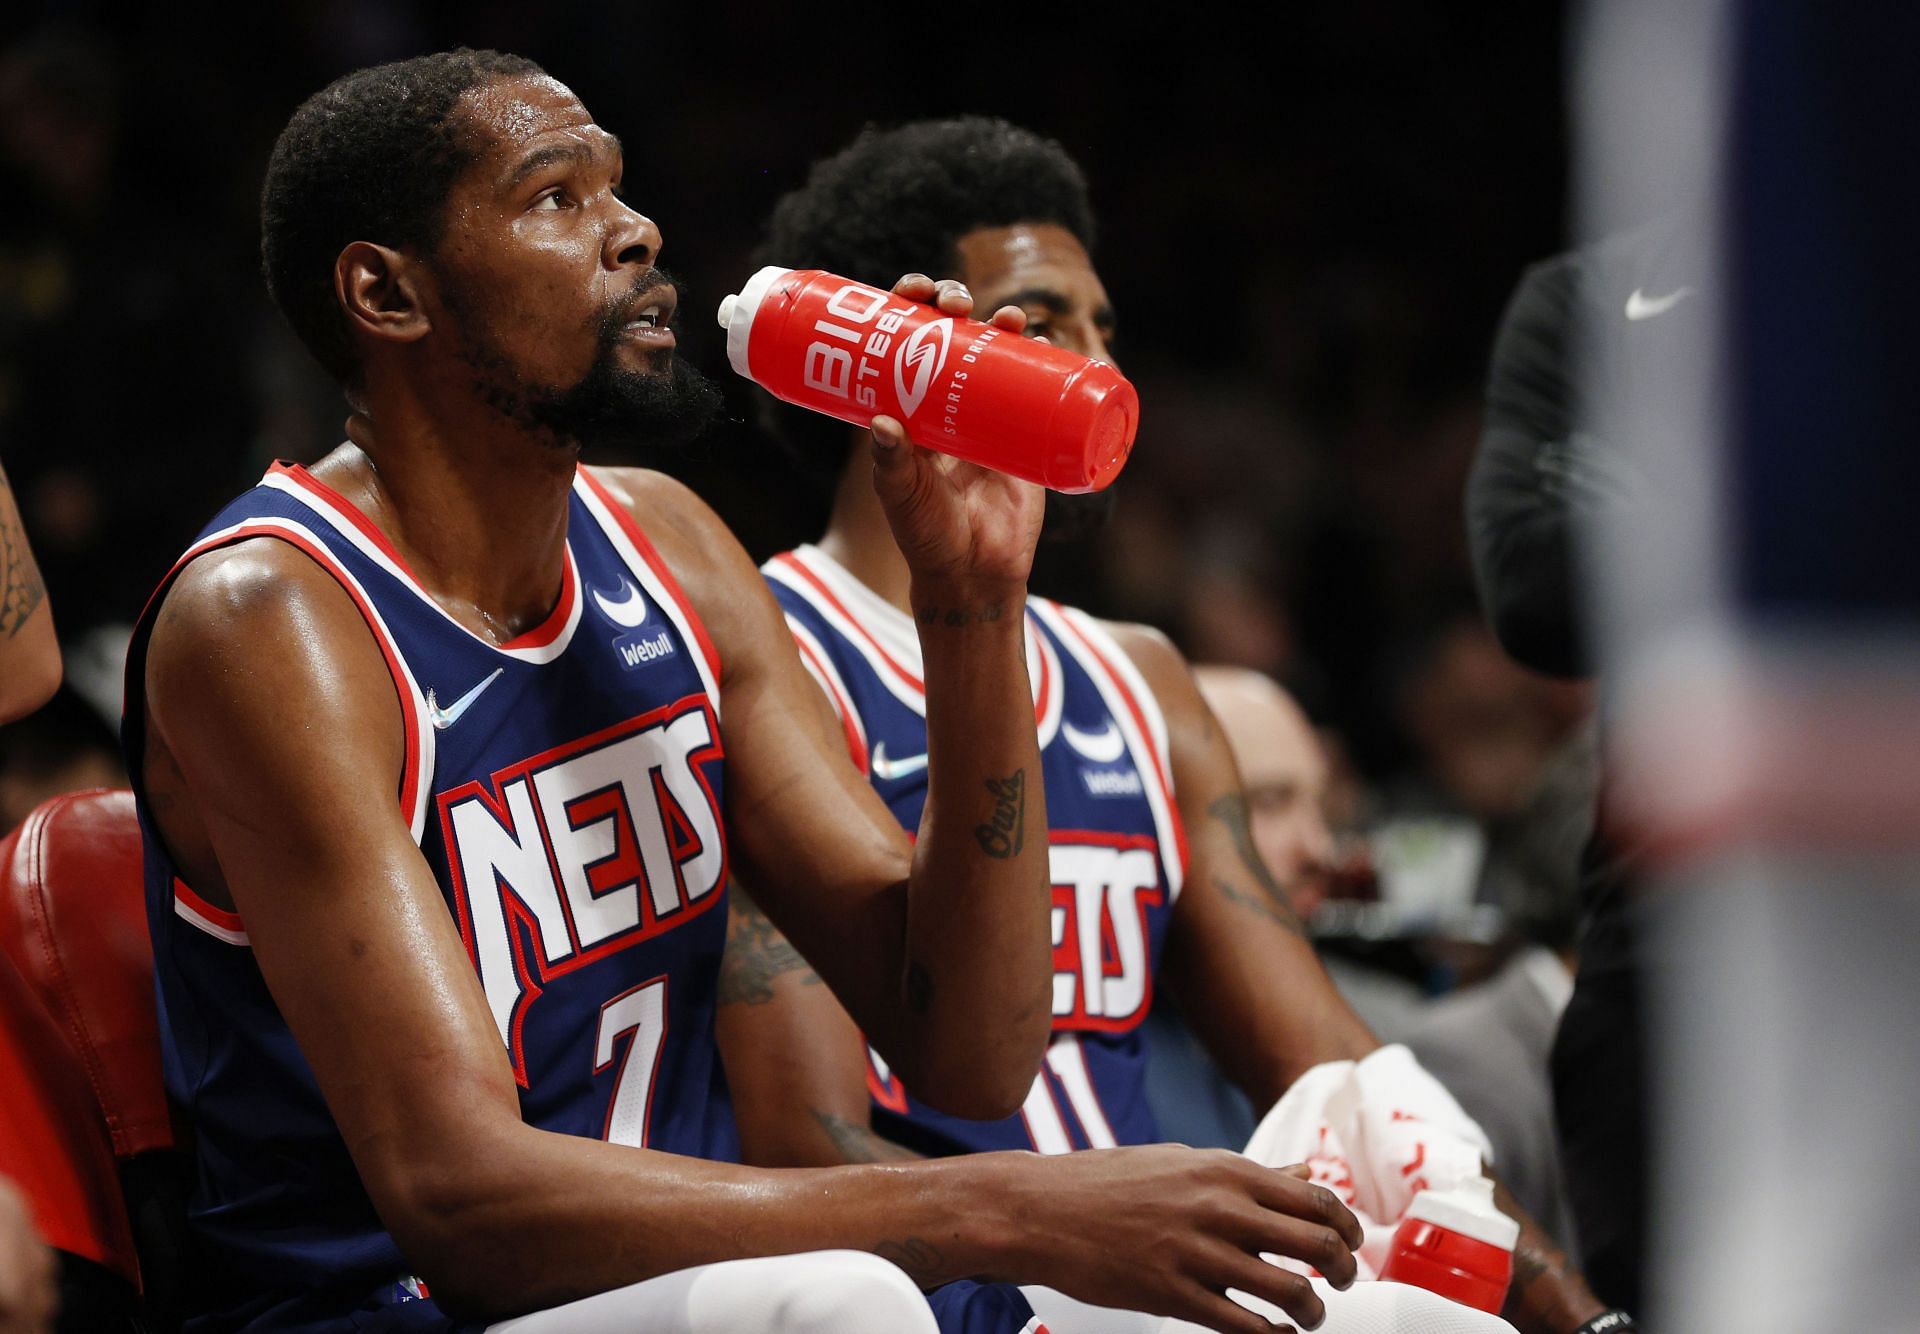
1118	853
565	788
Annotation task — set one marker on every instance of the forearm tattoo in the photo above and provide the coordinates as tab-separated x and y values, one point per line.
955	617
1267	897
925	1263
21	591
1005	831
858	1142
756	954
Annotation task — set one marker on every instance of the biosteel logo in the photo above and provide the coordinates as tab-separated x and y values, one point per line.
920	360
849	354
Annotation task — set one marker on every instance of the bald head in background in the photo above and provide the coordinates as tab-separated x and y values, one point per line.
1283	768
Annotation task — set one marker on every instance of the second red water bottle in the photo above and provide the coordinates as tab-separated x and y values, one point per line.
1456	1243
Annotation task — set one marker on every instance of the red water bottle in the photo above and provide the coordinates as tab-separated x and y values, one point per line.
959	386
1456	1243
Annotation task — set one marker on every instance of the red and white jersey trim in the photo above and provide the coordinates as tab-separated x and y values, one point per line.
417	763
542	644
1137	714
1069	1062
885	636
819	665
653	576
216	922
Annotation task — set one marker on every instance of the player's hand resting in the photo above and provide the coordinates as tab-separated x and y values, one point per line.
1167	1229
954	520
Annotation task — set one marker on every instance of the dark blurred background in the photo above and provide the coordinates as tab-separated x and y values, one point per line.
1308	231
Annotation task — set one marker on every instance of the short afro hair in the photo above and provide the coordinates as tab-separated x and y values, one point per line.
898	201
370	157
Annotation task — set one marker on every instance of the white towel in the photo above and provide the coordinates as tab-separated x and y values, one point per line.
1375	1132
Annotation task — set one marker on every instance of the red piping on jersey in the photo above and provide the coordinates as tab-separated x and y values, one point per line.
856	743
539	636
551	629
790	561
631	527
1046	676
1093	1091
1162	772
220	917
410	719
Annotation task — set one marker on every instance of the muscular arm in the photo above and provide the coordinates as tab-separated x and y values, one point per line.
1237	959
796	1064
281	738
272	757
937	948
29	653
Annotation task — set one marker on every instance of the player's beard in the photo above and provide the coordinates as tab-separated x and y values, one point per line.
611	405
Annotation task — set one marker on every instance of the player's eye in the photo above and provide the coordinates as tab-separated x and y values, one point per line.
1038	326
551	199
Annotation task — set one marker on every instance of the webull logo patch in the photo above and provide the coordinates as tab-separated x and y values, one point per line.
640	650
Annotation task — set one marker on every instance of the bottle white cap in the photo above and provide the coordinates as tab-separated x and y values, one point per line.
737	314
1467	1207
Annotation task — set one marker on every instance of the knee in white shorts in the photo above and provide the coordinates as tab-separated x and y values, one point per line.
820	1292
1364	1308
1399	1308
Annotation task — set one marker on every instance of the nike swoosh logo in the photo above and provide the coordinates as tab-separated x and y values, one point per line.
900	768
630	611
444	718
1102	747
1640	306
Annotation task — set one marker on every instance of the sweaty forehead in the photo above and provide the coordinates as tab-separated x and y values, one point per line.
1029	255
506	116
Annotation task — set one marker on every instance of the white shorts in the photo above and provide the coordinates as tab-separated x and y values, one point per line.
818	1292
1364	1308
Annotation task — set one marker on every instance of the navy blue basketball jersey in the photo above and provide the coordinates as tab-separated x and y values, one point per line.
566	789
1117	855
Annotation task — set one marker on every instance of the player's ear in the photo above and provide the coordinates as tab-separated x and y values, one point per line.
378	287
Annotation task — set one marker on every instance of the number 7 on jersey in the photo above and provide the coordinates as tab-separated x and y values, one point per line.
643	1013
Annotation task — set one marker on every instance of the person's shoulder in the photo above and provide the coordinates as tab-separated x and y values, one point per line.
1165	671
654	500
261	621
1543	300
239	586
1162	665
1144	646
1555	272
694	539
713	570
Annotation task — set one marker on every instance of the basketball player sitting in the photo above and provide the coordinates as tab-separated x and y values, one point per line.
1157	885
448	749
